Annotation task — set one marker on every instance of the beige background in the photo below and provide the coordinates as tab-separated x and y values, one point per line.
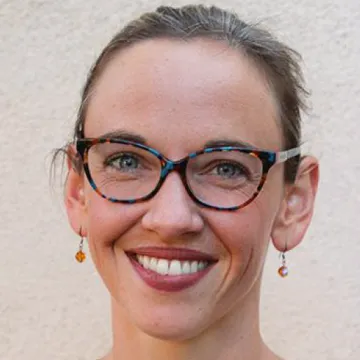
53	308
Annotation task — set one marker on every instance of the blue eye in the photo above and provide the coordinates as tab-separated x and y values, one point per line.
123	162
230	170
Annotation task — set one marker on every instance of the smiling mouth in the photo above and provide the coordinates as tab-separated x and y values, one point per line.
171	267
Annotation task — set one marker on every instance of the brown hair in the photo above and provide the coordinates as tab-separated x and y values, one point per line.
279	62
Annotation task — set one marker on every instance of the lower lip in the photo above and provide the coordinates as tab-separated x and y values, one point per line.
169	283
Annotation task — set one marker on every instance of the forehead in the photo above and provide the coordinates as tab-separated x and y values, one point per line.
180	95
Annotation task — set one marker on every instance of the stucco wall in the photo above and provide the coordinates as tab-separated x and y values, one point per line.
53	308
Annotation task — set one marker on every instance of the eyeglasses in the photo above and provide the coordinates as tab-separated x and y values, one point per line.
221	178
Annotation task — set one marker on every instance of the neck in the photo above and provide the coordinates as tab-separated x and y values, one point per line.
235	336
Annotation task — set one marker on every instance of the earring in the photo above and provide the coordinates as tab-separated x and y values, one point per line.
80	256
283	270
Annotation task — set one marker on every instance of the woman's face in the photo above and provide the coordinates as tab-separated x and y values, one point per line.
179	96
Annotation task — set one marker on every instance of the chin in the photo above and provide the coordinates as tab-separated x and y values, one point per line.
172	327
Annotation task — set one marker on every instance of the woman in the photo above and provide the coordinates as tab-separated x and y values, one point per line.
185	163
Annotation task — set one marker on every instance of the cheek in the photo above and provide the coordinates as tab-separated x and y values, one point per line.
244	235
244	228
106	223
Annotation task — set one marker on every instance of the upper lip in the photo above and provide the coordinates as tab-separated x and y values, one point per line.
172	253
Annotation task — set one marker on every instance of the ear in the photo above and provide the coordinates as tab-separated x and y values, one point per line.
74	194
297	207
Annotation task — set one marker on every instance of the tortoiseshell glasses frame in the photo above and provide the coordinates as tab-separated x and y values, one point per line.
267	158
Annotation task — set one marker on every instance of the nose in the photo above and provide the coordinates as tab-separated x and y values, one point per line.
172	213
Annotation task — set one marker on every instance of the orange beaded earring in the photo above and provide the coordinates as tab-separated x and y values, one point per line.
80	256
283	270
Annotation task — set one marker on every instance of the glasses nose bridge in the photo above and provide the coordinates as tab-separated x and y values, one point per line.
178	166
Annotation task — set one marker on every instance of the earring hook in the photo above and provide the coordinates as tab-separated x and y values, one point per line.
283	271
80	256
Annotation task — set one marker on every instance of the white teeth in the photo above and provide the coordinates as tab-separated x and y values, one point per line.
153	264
171	267
146	262
185	268
162	267
194	267
175	268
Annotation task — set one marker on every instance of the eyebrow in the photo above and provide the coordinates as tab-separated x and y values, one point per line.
228	142
125	135
131	136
